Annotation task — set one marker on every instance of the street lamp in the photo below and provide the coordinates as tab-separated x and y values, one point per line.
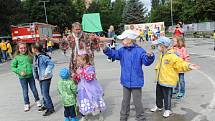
171	13
44	5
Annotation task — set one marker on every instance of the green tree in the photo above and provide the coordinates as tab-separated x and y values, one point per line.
161	13
188	11
60	12
105	12
80	8
11	13
116	13
155	4
110	12
205	10
134	12
93	8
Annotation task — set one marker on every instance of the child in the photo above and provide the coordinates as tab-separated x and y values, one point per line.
9	49
43	66
50	45
67	91
131	57
22	66
3	47
214	39
112	46
167	68
180	49
90	92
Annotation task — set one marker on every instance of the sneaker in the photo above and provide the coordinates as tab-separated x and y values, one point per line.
73	119
67	119
167	113
83	119
155	108
26	107
38	104
179	95
41	109
48	112
109	60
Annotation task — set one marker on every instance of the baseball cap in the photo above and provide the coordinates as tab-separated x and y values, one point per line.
128	34
162	40
64	73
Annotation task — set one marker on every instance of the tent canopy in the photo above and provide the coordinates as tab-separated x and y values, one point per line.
91	22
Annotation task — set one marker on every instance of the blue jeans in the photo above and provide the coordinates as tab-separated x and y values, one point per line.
31	82
45	87
181	83
50	49
69	112
4	54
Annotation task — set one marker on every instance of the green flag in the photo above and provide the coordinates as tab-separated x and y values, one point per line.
91	22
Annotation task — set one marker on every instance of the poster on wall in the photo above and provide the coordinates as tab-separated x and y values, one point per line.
154	27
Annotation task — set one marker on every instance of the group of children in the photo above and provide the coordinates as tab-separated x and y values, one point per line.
82	93
30	67
84	86
6	50
88	93
171	64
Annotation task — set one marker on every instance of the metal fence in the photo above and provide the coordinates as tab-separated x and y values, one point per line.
198	27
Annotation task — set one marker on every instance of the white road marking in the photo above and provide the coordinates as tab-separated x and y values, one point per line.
202	55
211	106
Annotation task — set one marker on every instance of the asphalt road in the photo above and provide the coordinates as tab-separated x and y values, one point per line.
198	104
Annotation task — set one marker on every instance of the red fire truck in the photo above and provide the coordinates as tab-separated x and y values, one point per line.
34	32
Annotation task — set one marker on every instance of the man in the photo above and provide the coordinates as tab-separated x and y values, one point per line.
9	49
50	45
79	41
3	47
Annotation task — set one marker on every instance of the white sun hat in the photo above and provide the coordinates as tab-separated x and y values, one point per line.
128	34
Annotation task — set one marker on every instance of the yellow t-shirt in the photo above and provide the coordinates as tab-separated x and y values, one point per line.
150	33
9	48
141	34
49	43
214	35
3	46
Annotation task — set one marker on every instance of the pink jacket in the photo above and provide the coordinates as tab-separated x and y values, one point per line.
182	52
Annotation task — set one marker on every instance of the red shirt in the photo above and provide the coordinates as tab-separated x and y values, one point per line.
178	32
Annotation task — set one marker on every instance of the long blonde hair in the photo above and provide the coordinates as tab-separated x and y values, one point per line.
28	52
86	58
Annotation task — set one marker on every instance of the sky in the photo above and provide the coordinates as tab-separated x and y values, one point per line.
147	4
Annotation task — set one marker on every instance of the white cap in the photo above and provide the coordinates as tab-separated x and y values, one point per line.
128	34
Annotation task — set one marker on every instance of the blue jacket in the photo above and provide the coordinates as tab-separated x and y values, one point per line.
43	66
131	59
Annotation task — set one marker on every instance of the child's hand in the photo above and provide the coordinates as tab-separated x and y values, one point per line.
22	73
150	54
194	66
79	71
46	76
73	75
